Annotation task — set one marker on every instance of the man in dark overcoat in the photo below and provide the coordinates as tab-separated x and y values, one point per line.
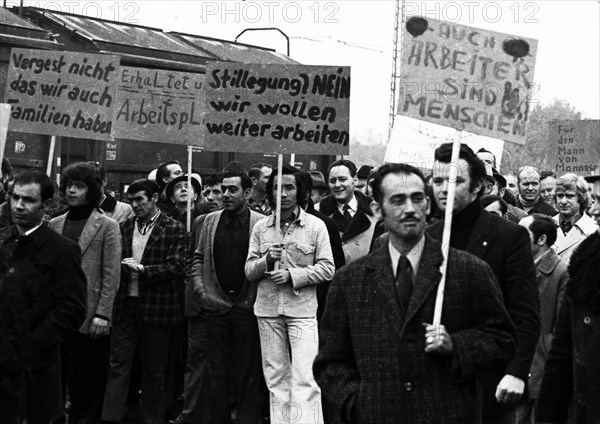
42	301
380	358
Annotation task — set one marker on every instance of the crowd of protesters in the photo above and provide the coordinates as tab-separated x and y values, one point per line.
111	312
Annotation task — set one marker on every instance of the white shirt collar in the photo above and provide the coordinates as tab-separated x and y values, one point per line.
413	256
352	206
28	232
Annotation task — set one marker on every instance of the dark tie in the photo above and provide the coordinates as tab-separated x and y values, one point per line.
347	215
404	282
566	226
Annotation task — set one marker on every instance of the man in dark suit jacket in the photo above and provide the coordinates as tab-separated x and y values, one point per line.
42	301
146	307
506	249
380	360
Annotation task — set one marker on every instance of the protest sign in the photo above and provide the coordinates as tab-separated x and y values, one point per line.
467	78
277	108
414	141
62	93
158	105
575	146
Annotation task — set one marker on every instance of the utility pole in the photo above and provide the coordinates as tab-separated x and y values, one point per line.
396	61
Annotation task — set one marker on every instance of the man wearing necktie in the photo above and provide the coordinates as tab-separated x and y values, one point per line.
380	358
350	209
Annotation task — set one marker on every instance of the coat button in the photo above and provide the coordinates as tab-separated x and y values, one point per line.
587	320
407	386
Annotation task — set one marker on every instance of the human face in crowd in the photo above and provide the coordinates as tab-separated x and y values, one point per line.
494	209
547	187
76	194
27	208
529	185
265	173
213	197
463	195
234	196
174	171
180	193
567	204
487	158
289	192
511	184
595	212
404	206
342	184
316	196
526	222
144	208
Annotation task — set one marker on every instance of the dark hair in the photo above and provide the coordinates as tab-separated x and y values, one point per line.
35	177
246	181
84	172
99	169
484	150
343	162
477	172
149	187
392	168
163	172
300	185
546	174
543	224
485	201
212	179
256	169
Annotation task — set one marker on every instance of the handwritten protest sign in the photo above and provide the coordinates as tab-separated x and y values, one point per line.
277	108
62	93
414	141
158	105
467	78
575	146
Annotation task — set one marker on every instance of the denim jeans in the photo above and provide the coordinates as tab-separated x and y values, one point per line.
295	397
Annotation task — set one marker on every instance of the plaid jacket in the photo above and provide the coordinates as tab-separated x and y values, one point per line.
373	356
164	262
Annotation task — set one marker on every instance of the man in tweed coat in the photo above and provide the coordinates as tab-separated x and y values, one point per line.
380	360
146	307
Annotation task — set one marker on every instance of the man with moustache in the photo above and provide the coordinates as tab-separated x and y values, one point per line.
351	210
381	360
506	249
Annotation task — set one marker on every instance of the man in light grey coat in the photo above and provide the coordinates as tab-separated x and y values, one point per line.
85	355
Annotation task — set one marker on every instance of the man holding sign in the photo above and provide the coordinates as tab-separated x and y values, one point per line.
506	249
380	359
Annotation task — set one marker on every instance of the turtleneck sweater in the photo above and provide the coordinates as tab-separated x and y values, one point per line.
462	225
75	222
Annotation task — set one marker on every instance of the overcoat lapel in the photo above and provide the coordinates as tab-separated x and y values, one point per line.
383	286
91	228
157	231
428	278
128	237
479	242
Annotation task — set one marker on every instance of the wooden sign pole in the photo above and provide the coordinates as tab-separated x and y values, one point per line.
278	202
190	198
453	172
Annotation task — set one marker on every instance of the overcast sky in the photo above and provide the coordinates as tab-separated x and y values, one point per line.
360	34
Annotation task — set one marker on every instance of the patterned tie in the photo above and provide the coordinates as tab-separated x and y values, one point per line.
404	282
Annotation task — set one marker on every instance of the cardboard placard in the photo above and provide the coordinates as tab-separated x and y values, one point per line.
62	93
158	105
277	108
575	147
467	78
